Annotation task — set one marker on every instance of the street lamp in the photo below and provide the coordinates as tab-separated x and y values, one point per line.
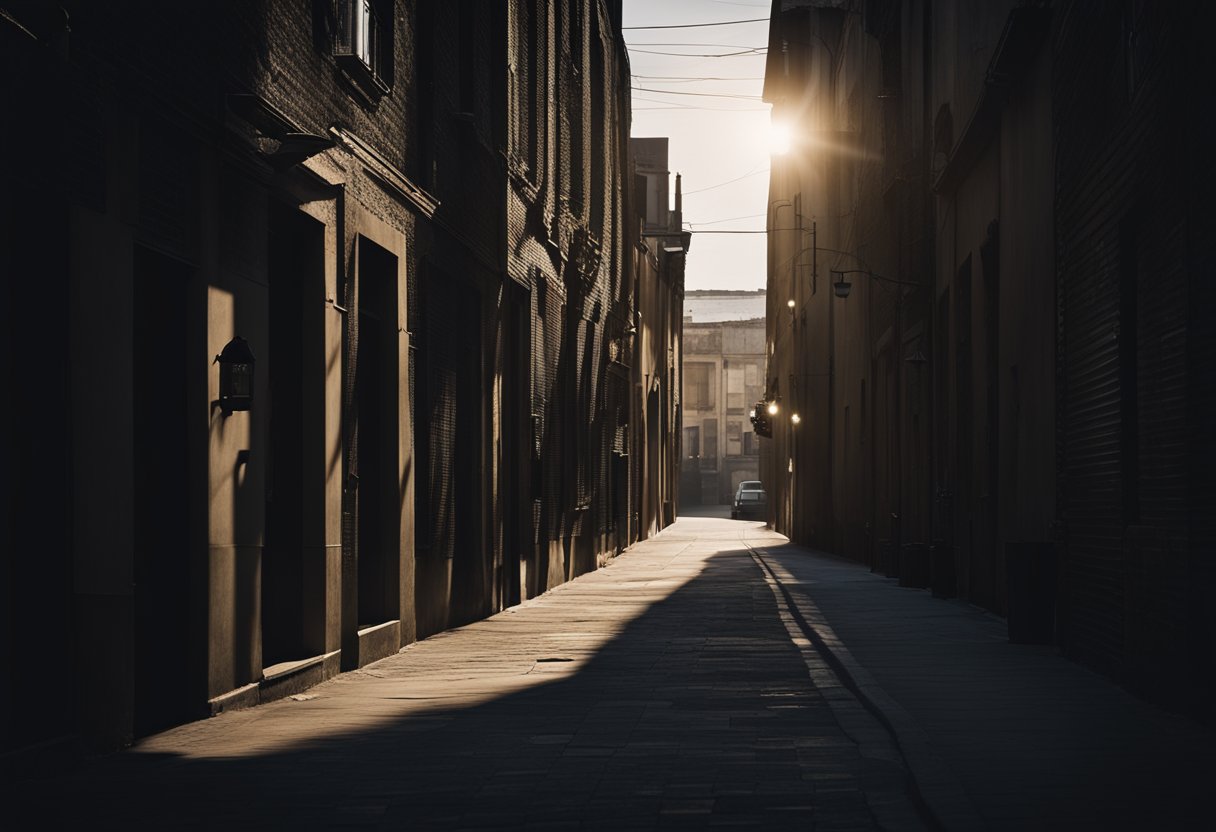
841	287
760	422
795	418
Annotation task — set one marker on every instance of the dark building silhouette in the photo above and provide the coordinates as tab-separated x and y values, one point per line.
992	231
432	266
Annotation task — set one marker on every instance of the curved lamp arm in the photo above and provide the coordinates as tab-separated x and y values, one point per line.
842	287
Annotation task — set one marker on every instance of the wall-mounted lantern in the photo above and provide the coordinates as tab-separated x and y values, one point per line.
236	375
761	424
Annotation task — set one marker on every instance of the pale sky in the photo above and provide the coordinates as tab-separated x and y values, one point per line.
717	135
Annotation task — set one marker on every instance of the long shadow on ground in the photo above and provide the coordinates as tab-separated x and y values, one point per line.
699	712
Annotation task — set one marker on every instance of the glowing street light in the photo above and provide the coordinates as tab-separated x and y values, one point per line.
795	418
772	408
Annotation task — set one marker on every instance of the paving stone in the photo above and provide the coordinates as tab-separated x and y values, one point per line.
687	703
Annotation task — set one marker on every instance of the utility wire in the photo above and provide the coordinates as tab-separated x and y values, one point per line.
728	219
676	105
767	230
705	109
738	96
693	78
727	182
700	55
691	43
700	25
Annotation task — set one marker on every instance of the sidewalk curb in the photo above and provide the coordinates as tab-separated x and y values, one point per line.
937	789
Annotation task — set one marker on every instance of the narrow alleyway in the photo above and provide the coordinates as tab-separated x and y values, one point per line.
712	676
664	690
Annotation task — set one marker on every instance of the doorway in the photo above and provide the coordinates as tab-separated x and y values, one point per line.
296	270
162	693
376	436
37	580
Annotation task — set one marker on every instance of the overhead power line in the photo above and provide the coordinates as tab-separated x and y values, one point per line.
728	219
707	109
749	51
739	96
690	43
727	182
677	105
693	78
699	25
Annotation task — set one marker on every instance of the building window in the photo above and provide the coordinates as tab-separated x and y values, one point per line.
709	453
734	437
749	444
734	390
698	389
366	34
692	442
363	43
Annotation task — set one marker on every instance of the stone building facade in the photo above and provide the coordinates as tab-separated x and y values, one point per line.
724	339
432	265
993	244
662	253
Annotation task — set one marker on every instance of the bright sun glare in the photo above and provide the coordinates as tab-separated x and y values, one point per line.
778	138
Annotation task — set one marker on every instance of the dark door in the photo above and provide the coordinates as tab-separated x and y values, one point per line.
162	565
375	393
36	575
296	261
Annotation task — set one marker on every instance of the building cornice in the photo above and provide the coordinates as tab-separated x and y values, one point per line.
386	172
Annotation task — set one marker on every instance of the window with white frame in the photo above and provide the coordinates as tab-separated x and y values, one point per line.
363	40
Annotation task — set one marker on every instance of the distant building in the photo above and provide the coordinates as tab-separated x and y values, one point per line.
723	378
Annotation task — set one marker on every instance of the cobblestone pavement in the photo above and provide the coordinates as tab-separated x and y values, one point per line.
671	689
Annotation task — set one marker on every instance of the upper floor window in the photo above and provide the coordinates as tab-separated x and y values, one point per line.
363	43
698	385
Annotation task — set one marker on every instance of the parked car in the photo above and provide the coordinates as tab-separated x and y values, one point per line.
751	500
